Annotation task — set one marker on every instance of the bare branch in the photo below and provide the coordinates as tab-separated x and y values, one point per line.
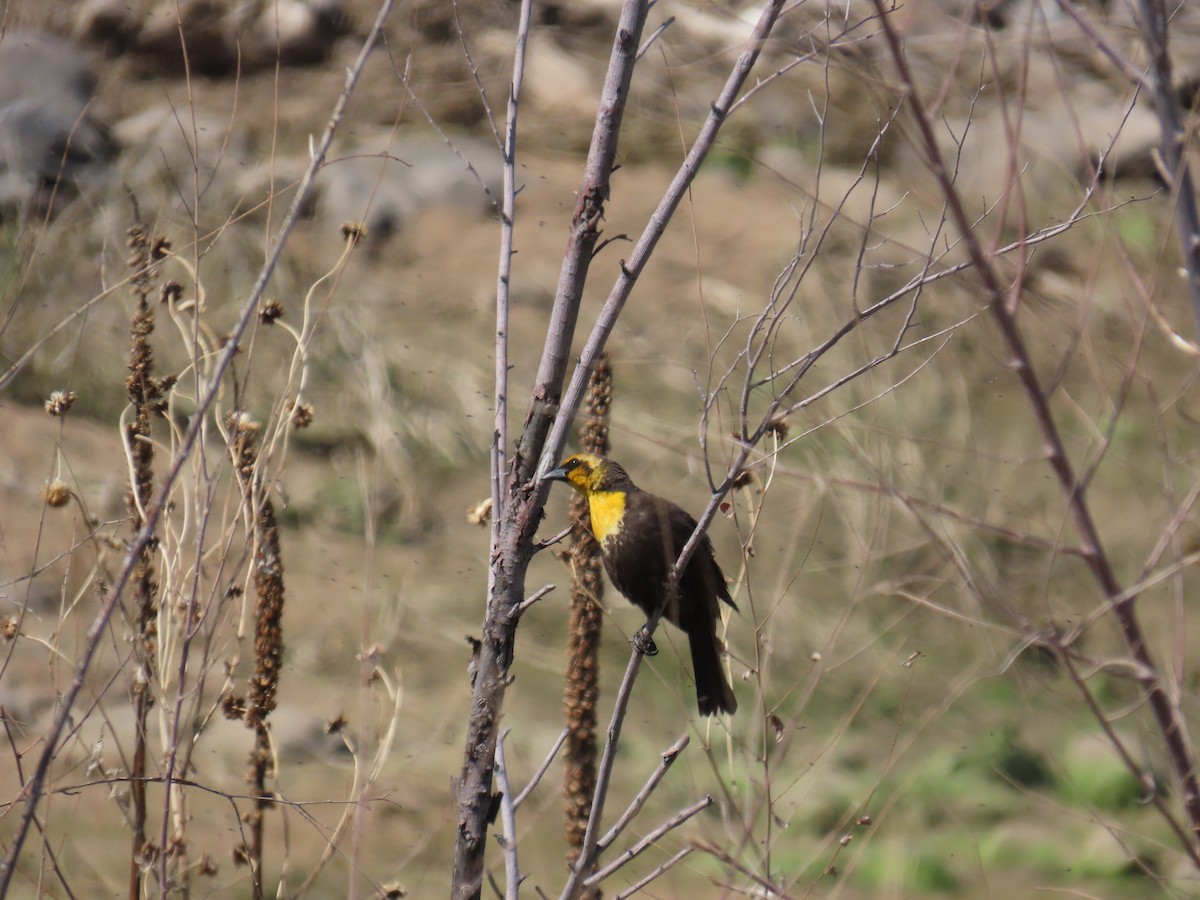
508	819
648	841
635	806
637	886
542	769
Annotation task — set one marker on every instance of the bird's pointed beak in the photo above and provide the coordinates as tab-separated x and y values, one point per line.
559	474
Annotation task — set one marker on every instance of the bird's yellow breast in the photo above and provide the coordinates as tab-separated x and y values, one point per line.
607	509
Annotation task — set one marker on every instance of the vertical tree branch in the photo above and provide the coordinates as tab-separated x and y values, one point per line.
507	226
581	242
1153	16
520	510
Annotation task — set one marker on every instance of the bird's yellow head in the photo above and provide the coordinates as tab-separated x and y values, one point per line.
605	485
582	471
590	474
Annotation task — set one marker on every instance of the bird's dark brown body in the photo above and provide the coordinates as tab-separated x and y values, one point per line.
641	536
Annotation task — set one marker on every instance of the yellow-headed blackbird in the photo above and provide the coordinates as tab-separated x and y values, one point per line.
641	536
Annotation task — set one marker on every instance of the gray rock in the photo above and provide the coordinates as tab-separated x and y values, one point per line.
50	143
223	36
385	184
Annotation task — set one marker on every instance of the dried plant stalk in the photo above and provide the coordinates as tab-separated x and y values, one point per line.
583	633
268	636
145	397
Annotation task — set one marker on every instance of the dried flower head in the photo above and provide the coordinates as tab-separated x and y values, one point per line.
335	725
60	402
743	479
9	629
170	292
271	310
56	494
481	513
148	855
355	232
241	422
302	414
779	426
159	248
234	707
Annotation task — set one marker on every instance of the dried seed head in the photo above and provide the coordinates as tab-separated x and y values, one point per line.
481	513
9	629
302	415
743	479
241	422
355	232
234	707
271	310
779	427
159	248
56	494
60	402
335	725
170	292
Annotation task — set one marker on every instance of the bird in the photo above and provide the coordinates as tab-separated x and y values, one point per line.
641	536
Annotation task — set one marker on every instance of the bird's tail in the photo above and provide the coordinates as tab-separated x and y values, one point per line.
713	693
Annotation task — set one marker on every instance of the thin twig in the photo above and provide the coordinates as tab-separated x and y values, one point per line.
1144	780
551	541
649	840
635	806
769	888
483	97
508	212
534	598
508	820
654	36
658	872
586	860
542	769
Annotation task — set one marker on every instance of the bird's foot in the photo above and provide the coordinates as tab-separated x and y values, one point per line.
643	643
